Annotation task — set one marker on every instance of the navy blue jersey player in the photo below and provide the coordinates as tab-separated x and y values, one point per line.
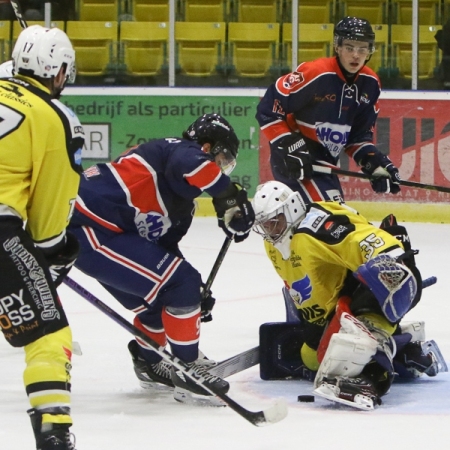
130	216
325	107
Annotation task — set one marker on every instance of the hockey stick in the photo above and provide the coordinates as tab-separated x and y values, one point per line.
349	173
271	415
18	12
216	266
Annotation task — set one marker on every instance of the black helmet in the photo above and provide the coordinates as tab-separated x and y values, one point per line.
215	130
355	29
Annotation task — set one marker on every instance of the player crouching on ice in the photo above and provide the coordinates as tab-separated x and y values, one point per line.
351	284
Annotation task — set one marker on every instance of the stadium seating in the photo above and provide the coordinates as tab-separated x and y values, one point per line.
254	48
311	11
5	40
379	59
206	10
315	40
429	12
200	47
98	10
267	11
95	44
428	58
375	11
150	10
143	47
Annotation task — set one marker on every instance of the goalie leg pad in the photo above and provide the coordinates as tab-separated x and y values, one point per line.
346	355
392	283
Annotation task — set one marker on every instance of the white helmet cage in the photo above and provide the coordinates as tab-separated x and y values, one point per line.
272	199
42	51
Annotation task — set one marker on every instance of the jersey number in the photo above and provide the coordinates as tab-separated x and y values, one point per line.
369	244
10	120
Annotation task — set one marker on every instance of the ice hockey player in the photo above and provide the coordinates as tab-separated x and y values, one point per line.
130	216
40	167
327	106
352	284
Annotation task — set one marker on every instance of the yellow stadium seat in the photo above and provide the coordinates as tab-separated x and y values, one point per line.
315	40
312	11
379	59
5	41
206	10
144	47
150	10
98	10
429	12
375	11
95	44
200	47
261	11
254	47
428	57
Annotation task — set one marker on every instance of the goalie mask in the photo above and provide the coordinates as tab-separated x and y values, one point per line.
215	130
278	211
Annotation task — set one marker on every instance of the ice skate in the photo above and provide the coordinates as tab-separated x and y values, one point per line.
187	391
355	392
150	376
51	436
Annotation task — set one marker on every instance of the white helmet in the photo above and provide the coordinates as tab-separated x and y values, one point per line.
278	211
42	51
6	69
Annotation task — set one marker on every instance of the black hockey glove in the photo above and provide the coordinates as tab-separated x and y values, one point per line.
234	212
296	157
384	175
206	305
62	261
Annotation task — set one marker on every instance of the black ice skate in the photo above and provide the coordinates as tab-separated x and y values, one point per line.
187	391
357	392
50	436
150	376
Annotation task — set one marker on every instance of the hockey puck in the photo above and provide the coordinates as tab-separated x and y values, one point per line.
306	398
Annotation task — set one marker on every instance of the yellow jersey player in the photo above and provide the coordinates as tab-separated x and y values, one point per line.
40	166
351	283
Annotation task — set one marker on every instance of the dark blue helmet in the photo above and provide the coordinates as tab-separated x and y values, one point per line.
355	29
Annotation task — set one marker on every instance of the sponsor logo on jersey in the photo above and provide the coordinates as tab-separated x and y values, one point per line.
338	231
301	290
92	171
314	219
365	98
293	80
325	98
333	136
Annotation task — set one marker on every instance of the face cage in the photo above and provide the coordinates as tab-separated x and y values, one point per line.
278	220
224	158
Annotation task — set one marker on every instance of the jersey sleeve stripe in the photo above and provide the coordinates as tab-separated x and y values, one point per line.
204	176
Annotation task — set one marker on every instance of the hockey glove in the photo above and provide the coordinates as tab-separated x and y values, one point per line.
234	212
62	261
384	175
296	157
206	305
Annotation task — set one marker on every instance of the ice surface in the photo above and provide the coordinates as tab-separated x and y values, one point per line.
112	412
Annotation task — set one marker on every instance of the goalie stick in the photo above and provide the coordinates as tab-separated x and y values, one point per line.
273	414
18	12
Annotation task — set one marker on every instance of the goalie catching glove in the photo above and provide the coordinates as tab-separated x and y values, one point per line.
62	261
296	157
384	175
234	212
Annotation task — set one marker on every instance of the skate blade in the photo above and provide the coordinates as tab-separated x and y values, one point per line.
190	398
432	347
361	402
155	386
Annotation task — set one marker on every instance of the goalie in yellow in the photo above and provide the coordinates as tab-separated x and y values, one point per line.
351	283
40	166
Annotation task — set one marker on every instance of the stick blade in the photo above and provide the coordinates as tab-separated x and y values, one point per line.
276	413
